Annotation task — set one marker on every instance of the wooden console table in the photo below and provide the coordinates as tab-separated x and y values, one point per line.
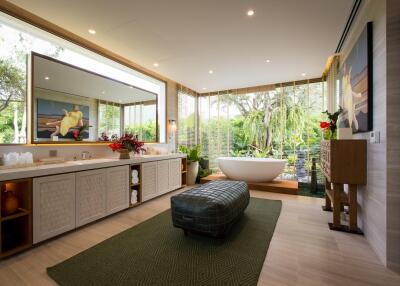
343	162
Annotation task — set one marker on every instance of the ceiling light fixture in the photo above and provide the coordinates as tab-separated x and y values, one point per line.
268	61
303	74
250	12
103	92
46	78
204	88
156	64
92	32
210	71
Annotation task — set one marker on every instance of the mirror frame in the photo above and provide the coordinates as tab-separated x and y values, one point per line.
84	142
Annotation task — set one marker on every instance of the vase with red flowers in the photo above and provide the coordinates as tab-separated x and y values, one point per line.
329	128
126	144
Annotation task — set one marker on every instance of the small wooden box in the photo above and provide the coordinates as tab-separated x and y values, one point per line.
344	161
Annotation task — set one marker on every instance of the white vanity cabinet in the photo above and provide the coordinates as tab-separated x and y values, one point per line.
91	189
149	180
53	206
117	189
163	177
160	177
175	174
67	201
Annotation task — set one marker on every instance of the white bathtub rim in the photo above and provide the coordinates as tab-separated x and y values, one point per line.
252	159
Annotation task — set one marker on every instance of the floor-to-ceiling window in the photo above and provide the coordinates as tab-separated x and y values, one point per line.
280	121
187	117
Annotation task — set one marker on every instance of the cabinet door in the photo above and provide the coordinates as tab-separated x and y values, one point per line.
163	177
175	174
53	206
149	180
117	189
90	196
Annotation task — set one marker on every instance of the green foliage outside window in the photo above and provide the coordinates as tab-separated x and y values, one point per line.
146	132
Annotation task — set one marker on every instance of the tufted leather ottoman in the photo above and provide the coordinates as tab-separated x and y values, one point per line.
211	208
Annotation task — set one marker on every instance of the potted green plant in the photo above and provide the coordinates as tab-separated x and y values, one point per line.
193	157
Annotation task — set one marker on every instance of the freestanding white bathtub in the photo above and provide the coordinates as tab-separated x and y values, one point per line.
251	169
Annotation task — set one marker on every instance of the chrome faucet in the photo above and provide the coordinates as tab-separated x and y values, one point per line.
85	155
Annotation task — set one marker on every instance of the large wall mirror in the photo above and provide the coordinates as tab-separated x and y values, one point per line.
70	104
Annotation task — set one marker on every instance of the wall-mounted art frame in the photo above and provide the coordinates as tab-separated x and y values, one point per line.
355	88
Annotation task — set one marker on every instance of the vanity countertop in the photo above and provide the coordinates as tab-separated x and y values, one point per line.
79	165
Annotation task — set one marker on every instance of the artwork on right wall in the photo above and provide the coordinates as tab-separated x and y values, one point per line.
355	77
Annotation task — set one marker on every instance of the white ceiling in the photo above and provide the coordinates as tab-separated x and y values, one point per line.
75	81
190	37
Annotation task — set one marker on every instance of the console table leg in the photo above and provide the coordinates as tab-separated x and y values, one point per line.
328	203
336	205
353	207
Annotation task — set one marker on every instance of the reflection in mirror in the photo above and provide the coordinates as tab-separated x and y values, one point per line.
72	104
139	119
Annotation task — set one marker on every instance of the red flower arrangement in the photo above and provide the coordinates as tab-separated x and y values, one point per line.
329	128
127	142
324	125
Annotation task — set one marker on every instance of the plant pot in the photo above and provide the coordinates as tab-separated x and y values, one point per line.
204	163
192	170
124	154
10	203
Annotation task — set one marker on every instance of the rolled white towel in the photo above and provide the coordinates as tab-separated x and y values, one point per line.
134	197
135	173
135	180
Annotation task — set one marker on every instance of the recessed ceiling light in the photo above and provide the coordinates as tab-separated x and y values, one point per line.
156	64
210	71
204	88
303	74
250	12
46	78
103	92
92	31
268	61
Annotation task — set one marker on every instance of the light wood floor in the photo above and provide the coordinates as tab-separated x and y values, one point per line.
303	250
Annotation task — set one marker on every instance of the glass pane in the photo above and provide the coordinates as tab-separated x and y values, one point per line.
280	123
140	120
186	119
109	120
203	117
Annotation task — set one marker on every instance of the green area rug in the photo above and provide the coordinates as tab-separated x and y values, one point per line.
156	253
